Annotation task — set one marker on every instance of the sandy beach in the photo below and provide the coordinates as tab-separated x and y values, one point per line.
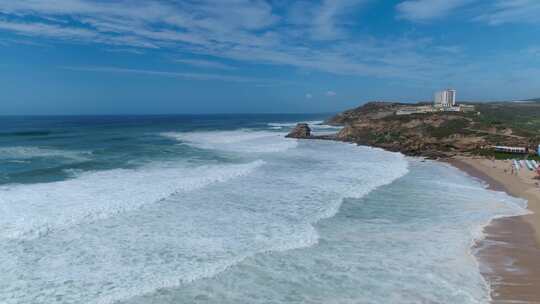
510	253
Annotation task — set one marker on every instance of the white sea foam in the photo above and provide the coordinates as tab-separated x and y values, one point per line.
292	124
36	209
25	153
408	243
315	124
236	141
188	235
411	242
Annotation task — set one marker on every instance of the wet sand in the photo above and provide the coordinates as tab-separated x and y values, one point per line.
510	253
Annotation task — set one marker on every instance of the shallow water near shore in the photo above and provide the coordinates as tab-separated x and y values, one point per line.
225	210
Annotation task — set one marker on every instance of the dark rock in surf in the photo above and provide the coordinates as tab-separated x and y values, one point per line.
301	130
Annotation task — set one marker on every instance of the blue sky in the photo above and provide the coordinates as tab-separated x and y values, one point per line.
234	56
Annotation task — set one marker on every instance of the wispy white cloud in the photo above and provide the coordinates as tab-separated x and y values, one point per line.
331	93
55	31
496	12
207	64
427	10
242	30
327	20
309	96
126	50
311	36
42	29
512	11
190	76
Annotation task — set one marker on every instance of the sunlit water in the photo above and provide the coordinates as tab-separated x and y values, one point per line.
224	209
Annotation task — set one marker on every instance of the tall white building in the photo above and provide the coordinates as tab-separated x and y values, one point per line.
445	99
451	95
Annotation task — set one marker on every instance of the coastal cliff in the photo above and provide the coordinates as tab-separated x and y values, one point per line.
435	134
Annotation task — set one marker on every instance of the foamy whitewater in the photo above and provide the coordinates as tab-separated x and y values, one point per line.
224	209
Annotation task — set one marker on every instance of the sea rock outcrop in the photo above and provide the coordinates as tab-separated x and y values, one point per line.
301	130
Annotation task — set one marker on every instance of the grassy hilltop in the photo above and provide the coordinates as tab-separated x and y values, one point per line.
522	117
442	134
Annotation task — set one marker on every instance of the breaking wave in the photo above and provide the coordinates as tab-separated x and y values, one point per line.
25	153
236	141
36	209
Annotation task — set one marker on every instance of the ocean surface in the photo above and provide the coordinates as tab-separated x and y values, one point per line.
224	209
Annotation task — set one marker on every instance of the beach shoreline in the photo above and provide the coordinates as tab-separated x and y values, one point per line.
509	254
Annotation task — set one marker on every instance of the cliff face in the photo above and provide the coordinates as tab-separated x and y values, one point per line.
440	134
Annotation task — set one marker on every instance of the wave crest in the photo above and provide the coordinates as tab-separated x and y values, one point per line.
236	141
24	153
34	210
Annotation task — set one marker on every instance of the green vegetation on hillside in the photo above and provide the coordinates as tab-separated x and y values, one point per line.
522	117
450	127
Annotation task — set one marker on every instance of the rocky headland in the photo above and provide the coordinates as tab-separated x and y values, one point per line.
434	135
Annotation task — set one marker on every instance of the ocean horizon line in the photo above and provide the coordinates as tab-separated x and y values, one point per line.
164	114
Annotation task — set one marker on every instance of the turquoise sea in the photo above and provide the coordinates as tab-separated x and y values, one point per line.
224	209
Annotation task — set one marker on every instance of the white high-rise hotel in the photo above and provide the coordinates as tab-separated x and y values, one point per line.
445	99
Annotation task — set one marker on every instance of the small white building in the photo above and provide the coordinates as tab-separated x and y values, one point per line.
445	99
518	150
